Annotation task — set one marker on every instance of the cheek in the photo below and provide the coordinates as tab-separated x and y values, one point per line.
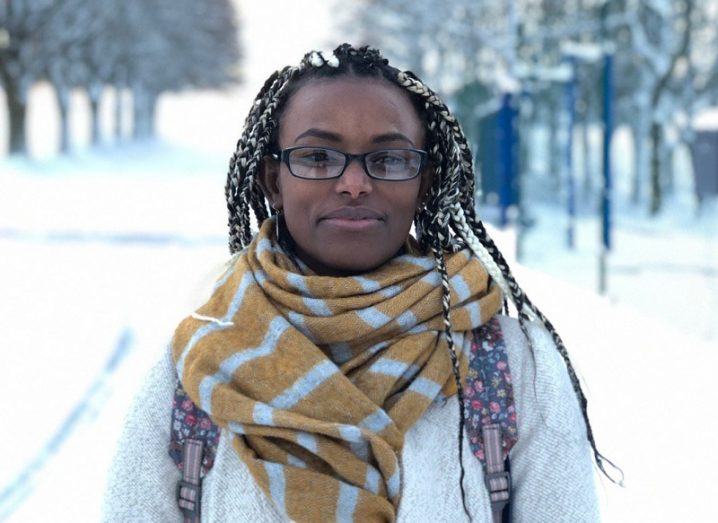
404	202
299	201
296	194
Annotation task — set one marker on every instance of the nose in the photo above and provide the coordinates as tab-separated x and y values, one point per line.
354	182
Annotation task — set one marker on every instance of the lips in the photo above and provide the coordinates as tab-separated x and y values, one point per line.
353	220
353	214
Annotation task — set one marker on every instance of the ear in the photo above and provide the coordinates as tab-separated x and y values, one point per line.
269	181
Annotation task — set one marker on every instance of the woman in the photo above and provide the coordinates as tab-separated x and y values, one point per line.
336	349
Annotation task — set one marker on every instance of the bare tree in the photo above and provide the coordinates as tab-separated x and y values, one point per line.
175	45
24	24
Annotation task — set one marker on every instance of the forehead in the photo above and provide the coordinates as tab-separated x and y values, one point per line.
357	109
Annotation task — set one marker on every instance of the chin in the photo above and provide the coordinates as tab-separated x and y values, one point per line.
350	258
351	267
355	265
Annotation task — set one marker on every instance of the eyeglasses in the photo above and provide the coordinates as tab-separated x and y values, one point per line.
324	163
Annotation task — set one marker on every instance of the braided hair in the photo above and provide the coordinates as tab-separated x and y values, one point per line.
445	222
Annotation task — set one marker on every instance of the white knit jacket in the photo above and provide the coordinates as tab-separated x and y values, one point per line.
551	467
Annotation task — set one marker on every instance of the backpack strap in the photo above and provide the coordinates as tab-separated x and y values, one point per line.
189	489
496	474
193	447
491	419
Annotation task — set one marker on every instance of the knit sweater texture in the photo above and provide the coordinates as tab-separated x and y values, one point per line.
551	466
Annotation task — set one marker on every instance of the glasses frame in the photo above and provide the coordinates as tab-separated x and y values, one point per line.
283	156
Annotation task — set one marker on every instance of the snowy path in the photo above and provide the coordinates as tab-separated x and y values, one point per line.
666	268
59	329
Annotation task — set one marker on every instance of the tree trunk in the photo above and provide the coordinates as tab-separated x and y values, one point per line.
118	113
658	90
640	157
138	112
18	138
94	92
95	122
144	104
587	186
61	94
151	114
656	189
554	150
667	173
16	101
584	115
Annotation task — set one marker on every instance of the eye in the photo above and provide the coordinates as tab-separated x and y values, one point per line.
316	157
313	155
388	159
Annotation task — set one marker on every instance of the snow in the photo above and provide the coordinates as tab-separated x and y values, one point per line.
663	7
88	255
105	250
706	120
583	51
559	73
667	269
505	82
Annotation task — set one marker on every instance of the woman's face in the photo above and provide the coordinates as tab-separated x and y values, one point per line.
353	115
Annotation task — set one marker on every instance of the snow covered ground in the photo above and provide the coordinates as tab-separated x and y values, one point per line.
93	262
666	268
102	252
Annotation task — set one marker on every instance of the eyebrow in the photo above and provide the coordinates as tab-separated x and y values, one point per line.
318	133
334	137
391	137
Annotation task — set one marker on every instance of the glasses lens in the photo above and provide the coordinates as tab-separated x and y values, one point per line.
394	164
315	162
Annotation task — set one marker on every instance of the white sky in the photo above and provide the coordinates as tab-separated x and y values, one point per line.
278	33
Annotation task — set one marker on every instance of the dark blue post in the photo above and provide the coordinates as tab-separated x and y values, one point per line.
507	150
607	182
570	96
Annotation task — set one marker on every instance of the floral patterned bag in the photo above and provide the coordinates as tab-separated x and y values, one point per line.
491	413
193	448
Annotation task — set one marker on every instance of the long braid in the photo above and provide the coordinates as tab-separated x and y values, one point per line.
242	190
446	309
445	222
438	232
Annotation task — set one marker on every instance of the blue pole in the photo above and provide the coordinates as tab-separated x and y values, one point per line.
570	95
607	181
506	164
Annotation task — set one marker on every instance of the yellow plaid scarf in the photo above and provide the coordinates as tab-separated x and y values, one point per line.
318	378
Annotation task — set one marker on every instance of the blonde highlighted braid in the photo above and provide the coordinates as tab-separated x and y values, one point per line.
445	222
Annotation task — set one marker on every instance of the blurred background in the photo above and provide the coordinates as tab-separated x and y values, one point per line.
594	126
